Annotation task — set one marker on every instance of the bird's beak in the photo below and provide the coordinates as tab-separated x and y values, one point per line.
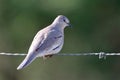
69	25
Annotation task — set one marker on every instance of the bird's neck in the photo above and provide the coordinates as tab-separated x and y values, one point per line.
57	23
58	26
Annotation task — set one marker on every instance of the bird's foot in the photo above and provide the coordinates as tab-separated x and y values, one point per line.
47	56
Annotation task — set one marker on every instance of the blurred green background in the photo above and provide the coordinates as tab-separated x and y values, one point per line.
96	28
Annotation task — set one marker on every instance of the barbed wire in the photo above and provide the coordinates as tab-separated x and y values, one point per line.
100	54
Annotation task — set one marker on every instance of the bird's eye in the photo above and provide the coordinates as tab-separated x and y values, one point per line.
64	20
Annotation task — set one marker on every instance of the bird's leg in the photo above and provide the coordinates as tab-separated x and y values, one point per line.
47	56
44	58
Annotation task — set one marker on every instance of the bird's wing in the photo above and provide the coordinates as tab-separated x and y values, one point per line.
42	43
53	40
46	41
37	41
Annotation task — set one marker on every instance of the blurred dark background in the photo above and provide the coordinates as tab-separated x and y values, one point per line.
96	28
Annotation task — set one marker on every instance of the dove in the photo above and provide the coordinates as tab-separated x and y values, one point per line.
47	42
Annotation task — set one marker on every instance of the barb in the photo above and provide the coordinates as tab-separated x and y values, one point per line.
13	54
100	54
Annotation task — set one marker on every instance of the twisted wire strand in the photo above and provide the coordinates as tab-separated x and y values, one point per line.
100	54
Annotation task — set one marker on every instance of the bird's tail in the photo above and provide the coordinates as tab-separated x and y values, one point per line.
26	61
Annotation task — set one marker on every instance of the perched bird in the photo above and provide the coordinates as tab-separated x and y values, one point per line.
47	42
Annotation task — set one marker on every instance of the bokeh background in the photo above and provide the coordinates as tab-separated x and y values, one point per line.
96	28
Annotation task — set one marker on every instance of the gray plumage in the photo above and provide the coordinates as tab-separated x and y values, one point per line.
47	41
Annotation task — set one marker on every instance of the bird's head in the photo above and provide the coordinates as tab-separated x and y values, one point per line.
62	20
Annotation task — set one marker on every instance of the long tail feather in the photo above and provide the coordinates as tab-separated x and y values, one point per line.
26	61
